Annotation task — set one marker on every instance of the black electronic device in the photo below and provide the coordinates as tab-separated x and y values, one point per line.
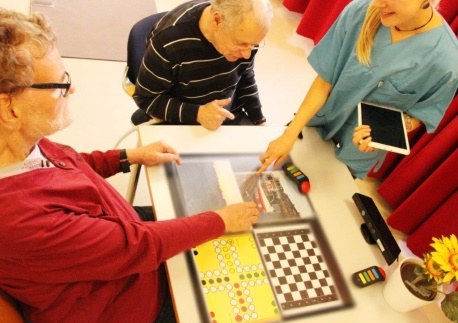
368	276
388	129
374	228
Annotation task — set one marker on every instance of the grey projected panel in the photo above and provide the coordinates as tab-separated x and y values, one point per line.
94	29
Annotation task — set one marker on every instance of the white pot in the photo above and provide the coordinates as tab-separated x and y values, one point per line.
396	293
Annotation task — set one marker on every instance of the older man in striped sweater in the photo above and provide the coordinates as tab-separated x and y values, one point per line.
198	66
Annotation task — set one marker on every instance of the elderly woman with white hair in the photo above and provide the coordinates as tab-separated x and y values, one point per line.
398	53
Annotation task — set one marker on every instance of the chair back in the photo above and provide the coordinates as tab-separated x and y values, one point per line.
9	310
136	43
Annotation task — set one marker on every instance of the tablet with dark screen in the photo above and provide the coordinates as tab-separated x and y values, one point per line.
388	129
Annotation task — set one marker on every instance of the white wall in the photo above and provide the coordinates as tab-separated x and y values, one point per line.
18	5
24	5
166	5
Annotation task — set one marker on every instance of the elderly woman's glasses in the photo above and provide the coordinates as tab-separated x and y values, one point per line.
64	86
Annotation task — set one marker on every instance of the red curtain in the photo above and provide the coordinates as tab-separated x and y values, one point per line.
449	10
318	15
422	187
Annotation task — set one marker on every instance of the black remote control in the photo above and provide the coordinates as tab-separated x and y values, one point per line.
368	276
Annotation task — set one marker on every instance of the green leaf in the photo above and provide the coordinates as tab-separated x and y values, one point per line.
450	306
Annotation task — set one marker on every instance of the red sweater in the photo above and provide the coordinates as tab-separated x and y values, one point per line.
73	250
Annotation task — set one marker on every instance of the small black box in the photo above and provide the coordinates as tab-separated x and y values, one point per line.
375	226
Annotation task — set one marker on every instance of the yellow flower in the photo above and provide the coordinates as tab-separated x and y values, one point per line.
453	260
442	264
451	243
433	268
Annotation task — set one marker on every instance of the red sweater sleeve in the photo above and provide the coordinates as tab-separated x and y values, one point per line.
106	164
64	247
175	236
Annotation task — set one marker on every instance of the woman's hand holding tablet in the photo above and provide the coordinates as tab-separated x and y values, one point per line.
387	127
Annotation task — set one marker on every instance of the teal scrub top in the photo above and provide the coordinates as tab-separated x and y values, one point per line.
418	75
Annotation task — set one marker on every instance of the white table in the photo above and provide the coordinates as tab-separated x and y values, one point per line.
331	193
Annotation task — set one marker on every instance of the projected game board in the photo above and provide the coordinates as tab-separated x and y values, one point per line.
233	281
301	269
211	182
282	269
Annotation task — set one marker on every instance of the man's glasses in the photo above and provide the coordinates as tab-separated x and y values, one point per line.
64	86
249	46
260	45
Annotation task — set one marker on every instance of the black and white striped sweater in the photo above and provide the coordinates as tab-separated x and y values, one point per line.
181	70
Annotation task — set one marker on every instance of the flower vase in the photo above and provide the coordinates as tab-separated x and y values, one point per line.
396	293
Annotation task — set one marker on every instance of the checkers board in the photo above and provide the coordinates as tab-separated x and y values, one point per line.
301	268
277	272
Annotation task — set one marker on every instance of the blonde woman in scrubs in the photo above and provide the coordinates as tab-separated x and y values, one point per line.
398	53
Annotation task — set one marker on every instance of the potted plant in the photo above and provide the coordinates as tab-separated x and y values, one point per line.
426	280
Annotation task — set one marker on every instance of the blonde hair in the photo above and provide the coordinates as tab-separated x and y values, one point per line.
23	38
370	26
366	36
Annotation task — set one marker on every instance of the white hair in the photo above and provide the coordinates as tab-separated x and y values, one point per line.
235	11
